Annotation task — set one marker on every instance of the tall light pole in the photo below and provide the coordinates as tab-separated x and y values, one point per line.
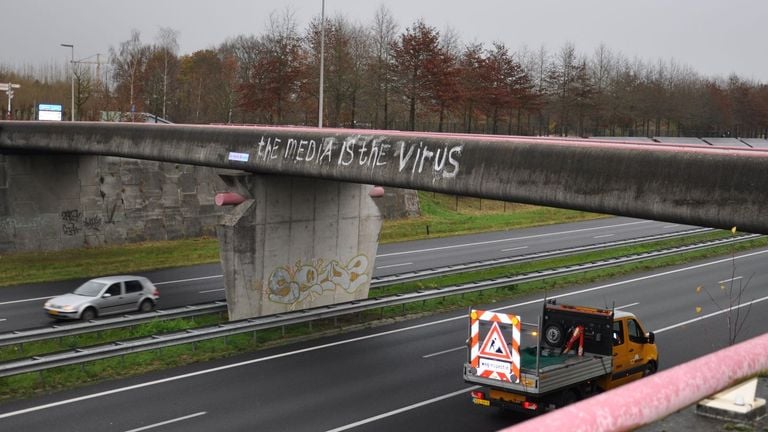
322	65
72	75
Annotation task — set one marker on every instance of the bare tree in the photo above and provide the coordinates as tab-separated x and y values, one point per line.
735	290
167	39
127	66
384	31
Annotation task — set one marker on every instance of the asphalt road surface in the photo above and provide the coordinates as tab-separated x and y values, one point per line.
405	376
21	307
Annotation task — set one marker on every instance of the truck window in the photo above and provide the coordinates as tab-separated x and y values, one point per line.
635	332
618	333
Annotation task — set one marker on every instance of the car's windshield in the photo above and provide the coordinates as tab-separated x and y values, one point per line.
90	289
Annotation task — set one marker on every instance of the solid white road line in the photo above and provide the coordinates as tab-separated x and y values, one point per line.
210	291
394	265
731	280
26	300
358	339
404	409
514	248
720	312
443	352
152	426
603	236
189	280
510	239
468	389
382	255
628	305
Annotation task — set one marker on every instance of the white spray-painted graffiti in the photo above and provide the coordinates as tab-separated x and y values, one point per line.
364	151
293	285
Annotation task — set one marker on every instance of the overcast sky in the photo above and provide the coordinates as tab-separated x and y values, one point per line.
714	37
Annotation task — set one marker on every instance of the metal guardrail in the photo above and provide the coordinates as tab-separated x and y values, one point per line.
81	355
42	333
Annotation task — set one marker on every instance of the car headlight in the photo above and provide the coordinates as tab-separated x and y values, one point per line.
47	304
68	308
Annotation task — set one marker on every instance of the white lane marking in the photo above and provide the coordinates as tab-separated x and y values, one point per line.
383	255
357	339
731	279
152	426
603	236
211	290
510	239
514	248
188	280
628	305
394	265
443	352
3	319
670	226
693	320
404	409
26	300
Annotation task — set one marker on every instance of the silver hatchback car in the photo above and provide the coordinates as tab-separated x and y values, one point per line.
105	296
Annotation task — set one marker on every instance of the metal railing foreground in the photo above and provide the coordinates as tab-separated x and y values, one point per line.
657	396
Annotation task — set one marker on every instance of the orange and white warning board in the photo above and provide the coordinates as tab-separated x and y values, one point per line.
496	352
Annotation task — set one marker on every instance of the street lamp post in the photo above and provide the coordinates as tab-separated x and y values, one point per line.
322	65
72	77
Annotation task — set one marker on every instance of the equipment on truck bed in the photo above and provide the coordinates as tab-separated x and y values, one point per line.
580	350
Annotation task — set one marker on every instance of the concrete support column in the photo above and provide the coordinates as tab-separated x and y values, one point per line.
296	243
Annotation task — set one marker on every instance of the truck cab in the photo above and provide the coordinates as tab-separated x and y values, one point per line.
634	351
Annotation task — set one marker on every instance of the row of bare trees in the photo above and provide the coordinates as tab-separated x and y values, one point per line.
378	76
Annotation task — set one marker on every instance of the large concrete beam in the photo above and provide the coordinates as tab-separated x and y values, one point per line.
716	187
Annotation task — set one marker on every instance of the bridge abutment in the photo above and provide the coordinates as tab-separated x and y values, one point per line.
296	243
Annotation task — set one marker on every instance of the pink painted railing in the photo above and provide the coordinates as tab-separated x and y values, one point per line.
655	397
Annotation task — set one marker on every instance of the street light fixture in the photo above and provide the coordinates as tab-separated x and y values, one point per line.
72	77
322	65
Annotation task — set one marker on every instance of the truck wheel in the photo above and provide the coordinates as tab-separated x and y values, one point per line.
553	335
650	369
567	398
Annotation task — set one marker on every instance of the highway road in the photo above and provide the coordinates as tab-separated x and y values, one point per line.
21	306
405	376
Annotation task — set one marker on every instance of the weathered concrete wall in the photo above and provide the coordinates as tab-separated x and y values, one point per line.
399	203
54	202
297	243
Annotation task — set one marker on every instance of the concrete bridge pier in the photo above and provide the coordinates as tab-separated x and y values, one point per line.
296	243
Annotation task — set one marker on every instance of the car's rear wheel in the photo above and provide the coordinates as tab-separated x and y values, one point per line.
88	314
146	306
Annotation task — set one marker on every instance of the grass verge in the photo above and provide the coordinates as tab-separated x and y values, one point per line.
55	379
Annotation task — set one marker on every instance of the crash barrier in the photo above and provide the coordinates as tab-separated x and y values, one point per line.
54	331
655	397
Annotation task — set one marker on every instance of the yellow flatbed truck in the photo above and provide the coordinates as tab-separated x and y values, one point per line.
571	353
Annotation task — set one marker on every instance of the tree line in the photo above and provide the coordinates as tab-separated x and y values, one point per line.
418	78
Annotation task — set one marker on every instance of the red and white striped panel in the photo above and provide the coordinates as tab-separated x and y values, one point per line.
507	320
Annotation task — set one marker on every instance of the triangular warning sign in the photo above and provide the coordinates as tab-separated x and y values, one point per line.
494	346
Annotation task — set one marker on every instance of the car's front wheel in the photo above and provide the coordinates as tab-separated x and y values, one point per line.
88	314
